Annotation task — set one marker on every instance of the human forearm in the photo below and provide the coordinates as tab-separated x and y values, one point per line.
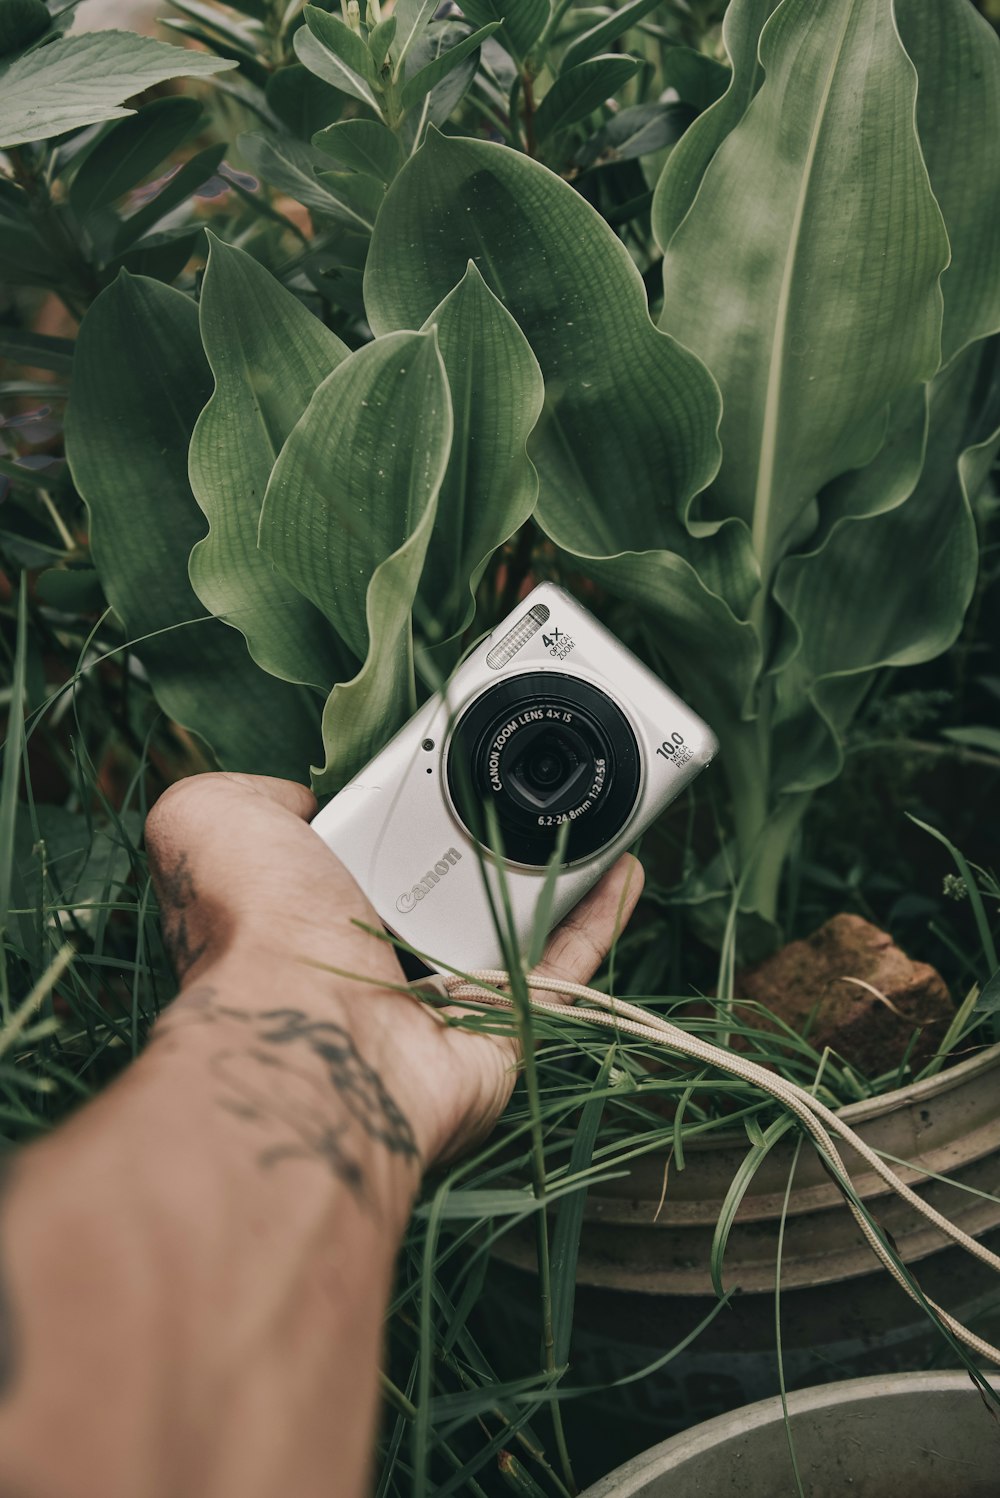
196	1268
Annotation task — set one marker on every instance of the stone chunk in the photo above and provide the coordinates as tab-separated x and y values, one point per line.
805	984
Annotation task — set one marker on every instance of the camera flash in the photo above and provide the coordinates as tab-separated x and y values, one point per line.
518	636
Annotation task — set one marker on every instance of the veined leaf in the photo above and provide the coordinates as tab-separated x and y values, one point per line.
490	486
140	380
412	18
853	612
580	91
824	289
628	435
268	355
341	41
312	54
291	167
523	20
681	177
957	57
81	80
600	37
347	519
433	72
362	146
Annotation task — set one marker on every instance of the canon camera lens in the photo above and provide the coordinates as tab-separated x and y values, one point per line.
543	751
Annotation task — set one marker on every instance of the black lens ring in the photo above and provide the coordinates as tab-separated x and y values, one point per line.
505	707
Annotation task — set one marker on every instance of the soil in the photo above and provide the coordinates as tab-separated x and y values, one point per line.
849	987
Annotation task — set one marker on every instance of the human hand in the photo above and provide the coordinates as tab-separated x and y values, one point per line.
263	922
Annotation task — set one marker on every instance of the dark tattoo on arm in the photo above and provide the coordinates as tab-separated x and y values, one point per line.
272	1081
177	897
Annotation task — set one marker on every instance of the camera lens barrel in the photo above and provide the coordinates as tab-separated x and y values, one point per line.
544	749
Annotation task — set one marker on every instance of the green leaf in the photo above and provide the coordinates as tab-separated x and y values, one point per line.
628	436
423	81
302	102
290	166
569	1213
434	42
140	380
580	91
82	80
175	191
681	177
341	41
347	518
10	776
957	57
412	18
362	146
130	150
268	355
331	68
886	589
599	38
380	39
490	486
73	590
989	1000
214	41
699	80
36	350
523	20
976	736
637	131
358	198
21	23
828	305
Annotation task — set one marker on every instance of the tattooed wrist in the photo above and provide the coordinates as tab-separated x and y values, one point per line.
301	1085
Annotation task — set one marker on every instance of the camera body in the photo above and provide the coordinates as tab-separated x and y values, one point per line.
550	722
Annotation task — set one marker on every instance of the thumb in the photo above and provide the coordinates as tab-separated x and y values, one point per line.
580	943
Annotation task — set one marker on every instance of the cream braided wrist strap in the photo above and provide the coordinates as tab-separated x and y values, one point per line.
483	987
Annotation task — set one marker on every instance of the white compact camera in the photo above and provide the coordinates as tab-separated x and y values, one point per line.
550	721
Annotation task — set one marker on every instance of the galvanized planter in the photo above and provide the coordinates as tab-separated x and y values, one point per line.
912	1435
643	1277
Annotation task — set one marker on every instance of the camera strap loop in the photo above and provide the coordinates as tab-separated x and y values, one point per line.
486	987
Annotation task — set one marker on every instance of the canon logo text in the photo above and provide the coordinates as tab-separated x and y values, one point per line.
423	887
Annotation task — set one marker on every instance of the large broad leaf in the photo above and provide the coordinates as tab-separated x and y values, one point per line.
140	380
957	57
806	272
347	519
81	80
887	590
841	624
681	178
490	486
268	355
629	431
